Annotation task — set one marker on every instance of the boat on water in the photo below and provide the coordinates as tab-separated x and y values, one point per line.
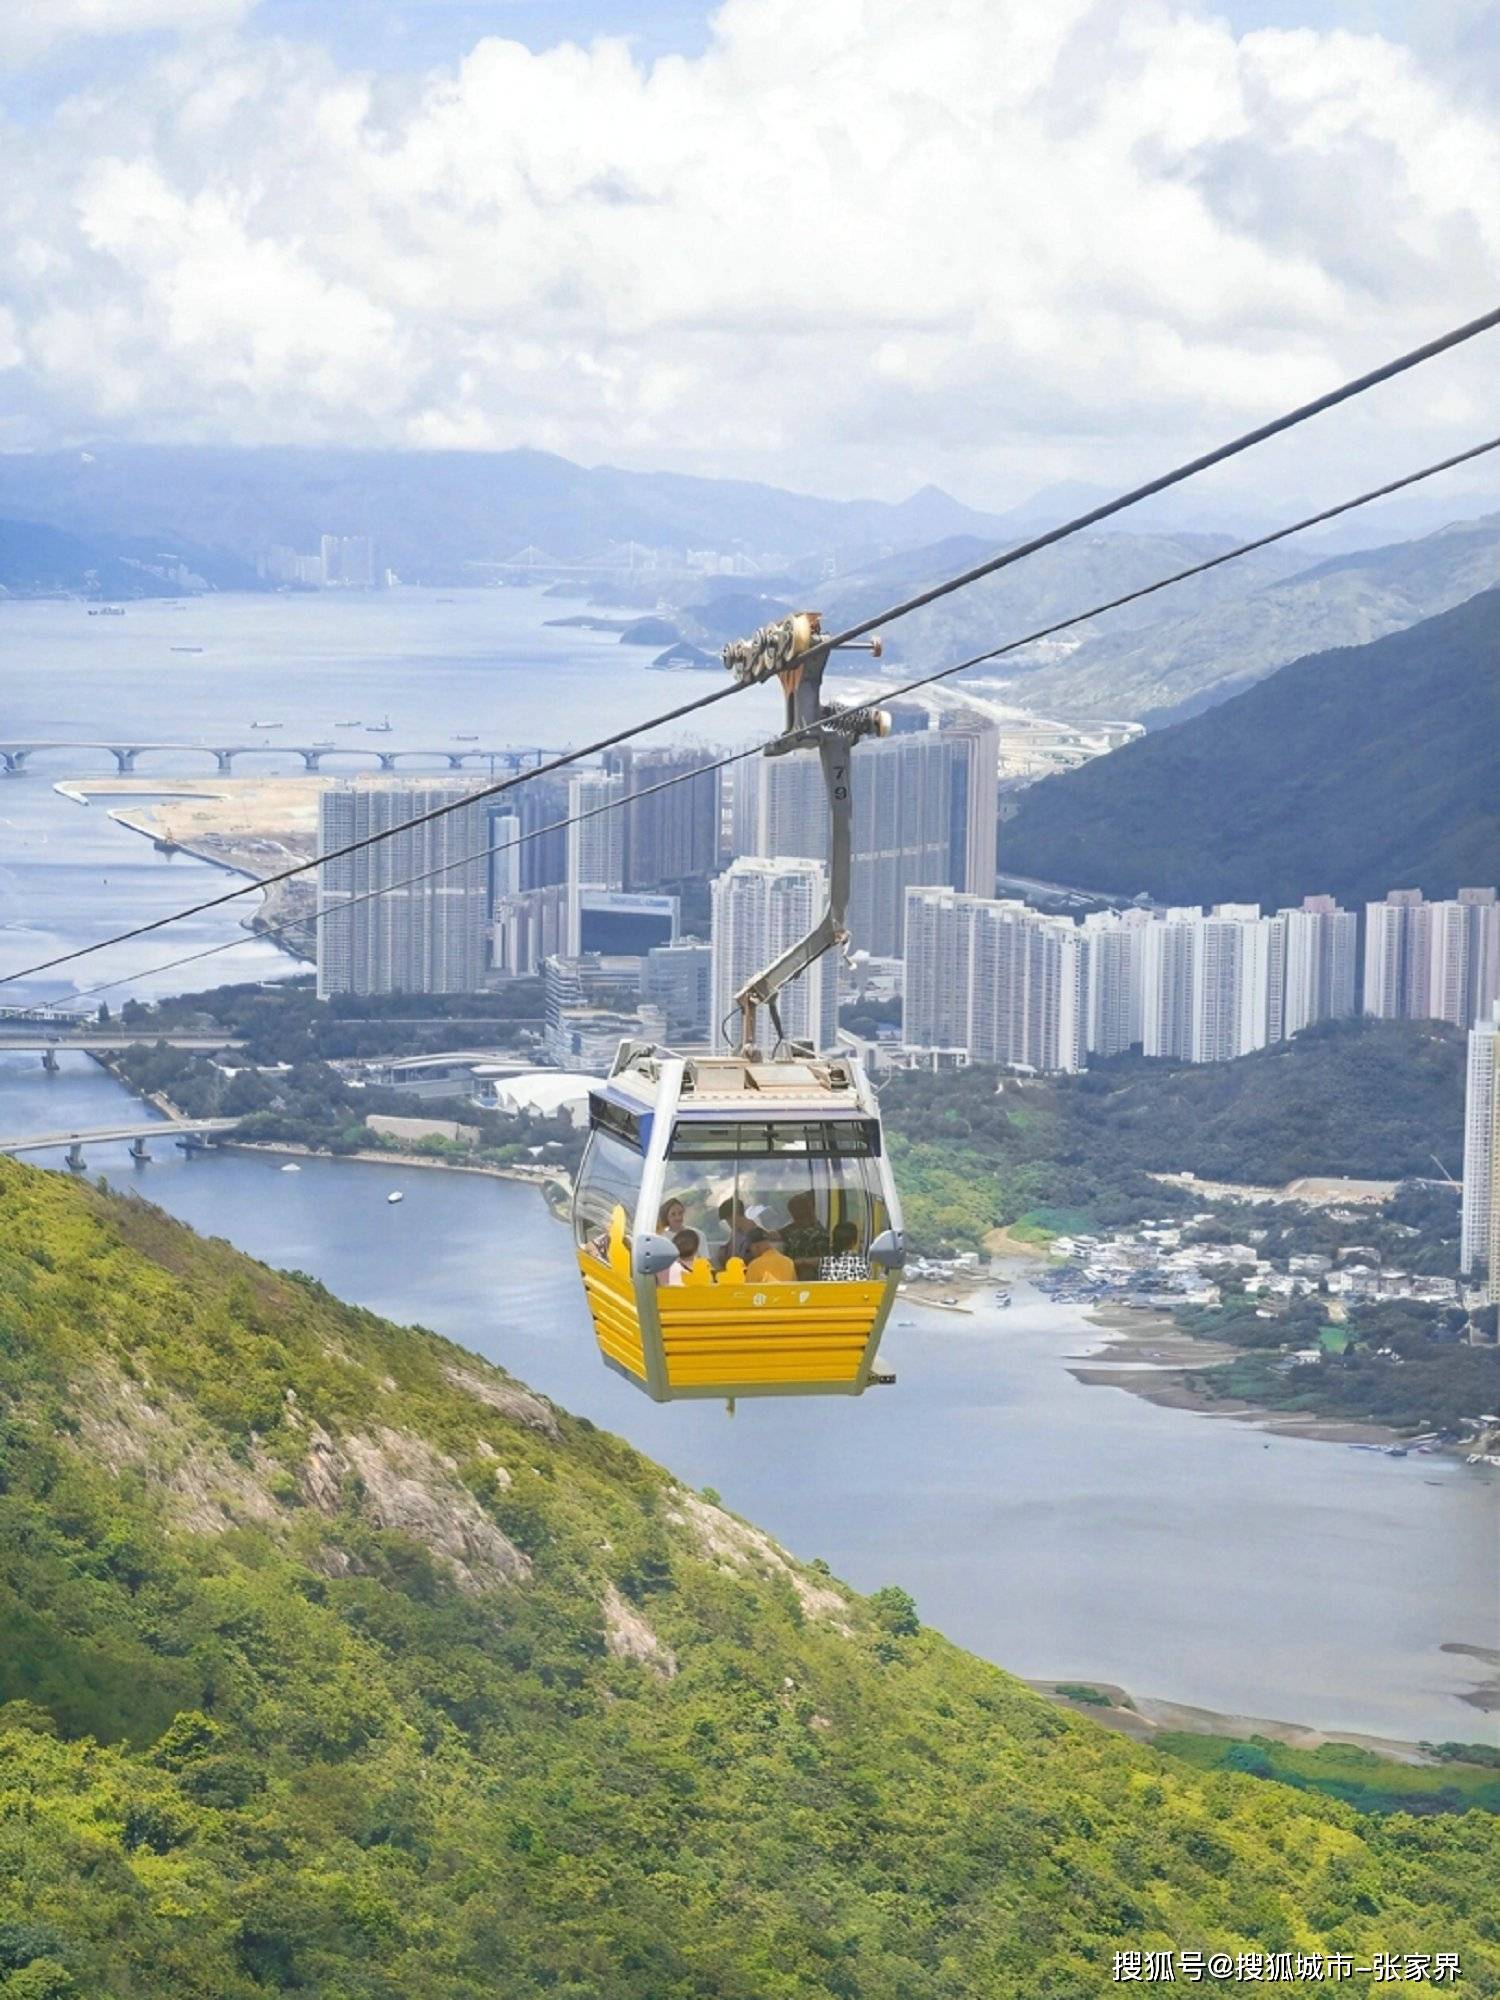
106	611
291	1167
187	649
268	725
348	725
324	743
395	1196
379	728
461	737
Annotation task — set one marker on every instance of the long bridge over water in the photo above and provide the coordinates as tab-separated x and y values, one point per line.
16	755
192	1134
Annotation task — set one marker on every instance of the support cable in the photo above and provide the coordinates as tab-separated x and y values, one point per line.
755	749
1455	337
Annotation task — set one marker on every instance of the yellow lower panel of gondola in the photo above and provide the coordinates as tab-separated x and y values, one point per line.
771	1334
611	1297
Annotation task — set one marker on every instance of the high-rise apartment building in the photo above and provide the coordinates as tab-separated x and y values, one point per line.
668	835
1168	954
1113	976
679	978
527	929
760	907
541	805
972	743
1479	1236
1322	944
379	929
1432	961
993	978
1212	985
596	842
348	562
506	850
924	813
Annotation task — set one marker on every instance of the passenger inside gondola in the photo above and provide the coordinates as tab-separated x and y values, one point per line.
843	1265
766	1262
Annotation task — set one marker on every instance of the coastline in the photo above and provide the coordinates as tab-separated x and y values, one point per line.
552	1183
252	832
1146	1355
1144	1718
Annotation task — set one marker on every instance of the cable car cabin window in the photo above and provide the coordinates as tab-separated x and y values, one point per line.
607	1117
610	1178
752	1138
792	1200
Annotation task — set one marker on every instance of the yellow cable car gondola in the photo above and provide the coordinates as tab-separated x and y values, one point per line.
736	1224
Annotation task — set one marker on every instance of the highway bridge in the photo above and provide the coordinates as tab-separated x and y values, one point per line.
102	1044
16	755
48	1046
192	1134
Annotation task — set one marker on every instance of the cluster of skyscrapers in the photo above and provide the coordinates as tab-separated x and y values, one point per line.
583	879
339	562
996	981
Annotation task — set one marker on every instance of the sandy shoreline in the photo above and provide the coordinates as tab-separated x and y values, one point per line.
1147	1355
1144	1719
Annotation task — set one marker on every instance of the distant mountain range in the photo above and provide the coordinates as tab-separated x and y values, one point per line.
1350	772
1170	656
430	512
41	561
131	519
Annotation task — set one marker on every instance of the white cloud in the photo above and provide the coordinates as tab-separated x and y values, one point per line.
30	28
858	244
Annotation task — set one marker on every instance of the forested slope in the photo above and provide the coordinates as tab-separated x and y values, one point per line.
1348	772
1372	1099
338	1663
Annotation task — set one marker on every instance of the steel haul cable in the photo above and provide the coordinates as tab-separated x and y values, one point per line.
754	750
1358	385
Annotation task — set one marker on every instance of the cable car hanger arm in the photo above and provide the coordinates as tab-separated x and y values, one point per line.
794	651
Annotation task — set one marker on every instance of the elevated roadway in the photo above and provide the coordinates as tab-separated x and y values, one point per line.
190	1132
16	754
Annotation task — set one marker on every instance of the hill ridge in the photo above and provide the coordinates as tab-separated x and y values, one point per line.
1348	772
333	1739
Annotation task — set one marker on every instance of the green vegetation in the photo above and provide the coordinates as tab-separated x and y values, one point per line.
1284	790
285	1021
975	1149
1399	1362
1369	1783
310	1104
337	1663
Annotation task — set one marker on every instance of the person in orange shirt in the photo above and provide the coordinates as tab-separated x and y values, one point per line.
766	1262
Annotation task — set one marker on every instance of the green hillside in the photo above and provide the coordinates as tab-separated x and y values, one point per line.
1371	1099
337	1663
1349	773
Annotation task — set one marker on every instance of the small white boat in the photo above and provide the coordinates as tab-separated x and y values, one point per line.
268	725
291	1167
397	1196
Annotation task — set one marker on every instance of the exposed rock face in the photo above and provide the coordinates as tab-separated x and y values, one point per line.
207	1491
629	1637
509	1398
736	1545
407	1486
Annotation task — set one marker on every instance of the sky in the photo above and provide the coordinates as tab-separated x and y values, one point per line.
853	246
